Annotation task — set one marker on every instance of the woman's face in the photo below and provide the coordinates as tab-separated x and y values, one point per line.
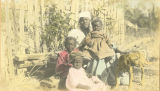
78	63
84	22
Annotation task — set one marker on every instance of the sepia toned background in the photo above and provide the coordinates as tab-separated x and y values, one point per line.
32	30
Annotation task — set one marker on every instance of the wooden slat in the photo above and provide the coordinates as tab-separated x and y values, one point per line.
21	25
34	56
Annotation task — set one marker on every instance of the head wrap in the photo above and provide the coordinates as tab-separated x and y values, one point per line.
85	14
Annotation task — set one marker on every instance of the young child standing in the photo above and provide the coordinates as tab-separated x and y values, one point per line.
77	79
63	62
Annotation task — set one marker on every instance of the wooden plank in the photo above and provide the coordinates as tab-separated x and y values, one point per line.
21	25
34	56
8	50
3	47
30	24
32	63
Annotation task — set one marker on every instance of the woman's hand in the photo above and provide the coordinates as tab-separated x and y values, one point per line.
83	86
89	43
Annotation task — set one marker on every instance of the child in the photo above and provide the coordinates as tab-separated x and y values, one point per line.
63	63
96	43
77	79
98	47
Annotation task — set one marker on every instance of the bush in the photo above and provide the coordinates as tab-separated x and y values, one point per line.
56	28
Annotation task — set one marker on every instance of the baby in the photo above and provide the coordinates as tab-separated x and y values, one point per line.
77	79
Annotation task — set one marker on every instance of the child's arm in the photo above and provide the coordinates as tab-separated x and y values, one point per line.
108	41
119	51
113	47
109	44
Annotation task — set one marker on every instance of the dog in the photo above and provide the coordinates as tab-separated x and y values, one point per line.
127	61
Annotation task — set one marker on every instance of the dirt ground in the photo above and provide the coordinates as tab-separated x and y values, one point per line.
151	79
151	82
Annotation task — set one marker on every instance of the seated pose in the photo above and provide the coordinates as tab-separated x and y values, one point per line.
78	80
63	63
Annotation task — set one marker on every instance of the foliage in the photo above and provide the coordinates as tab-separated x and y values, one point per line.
56	28
107	20
136	16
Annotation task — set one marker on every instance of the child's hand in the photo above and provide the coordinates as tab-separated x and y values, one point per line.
89	75
96	82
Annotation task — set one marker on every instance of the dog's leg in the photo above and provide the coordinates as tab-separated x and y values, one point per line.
130	77
142	75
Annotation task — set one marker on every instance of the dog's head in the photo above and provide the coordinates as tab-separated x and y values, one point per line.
136	58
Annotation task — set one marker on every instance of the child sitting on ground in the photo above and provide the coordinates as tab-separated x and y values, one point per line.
77	79
63	63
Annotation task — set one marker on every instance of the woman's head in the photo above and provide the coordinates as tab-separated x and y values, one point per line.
76	59
84	21
70	43
97	24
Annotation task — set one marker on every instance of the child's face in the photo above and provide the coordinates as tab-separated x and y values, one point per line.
97	26
70	45
78	62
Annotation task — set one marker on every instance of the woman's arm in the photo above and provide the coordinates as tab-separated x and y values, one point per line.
86	41
82	45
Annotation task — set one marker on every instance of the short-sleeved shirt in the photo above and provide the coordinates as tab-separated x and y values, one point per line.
63	65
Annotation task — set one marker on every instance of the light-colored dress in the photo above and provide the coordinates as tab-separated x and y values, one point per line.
78	76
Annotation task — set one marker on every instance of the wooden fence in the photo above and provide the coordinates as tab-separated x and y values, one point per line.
23	23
